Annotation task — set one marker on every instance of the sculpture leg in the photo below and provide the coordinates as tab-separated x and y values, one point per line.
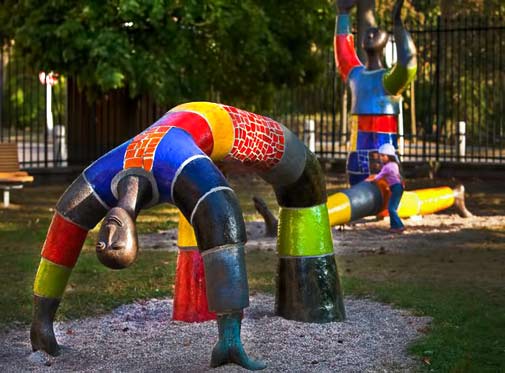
212	208
77	211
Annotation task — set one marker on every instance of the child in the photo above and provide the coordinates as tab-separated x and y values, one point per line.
391	173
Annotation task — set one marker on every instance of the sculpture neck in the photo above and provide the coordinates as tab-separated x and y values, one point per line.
374	61
133	193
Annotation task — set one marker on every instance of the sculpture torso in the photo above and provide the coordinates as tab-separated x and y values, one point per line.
369	97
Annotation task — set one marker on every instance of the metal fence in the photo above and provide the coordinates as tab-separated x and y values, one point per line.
454	112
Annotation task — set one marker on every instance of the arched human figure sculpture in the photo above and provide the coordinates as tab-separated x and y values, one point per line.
173	161
375	90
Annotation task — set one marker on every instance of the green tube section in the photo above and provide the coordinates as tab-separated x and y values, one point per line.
51	279
304	232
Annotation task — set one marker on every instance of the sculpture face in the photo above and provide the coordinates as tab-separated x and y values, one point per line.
117	240
375	40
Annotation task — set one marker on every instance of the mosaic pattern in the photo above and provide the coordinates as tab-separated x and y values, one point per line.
259	141
140	152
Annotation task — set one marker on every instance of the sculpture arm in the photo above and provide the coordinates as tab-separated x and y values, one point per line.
345	53
404	71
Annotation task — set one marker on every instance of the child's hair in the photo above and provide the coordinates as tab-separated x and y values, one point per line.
392	158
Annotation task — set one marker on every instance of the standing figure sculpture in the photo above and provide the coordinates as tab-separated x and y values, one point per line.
172	161
375	90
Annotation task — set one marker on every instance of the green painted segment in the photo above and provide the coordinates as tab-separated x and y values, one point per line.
398	78
51	279
304	232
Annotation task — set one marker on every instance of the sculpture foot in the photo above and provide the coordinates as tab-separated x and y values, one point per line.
225	354
42	333
459	202
229	348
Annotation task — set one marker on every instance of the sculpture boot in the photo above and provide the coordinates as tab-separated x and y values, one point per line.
42	331
229	347
459	202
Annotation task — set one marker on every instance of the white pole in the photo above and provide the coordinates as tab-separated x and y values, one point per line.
49	111
461	140
310	134
401	137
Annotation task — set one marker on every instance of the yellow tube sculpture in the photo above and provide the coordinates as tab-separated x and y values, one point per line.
370	198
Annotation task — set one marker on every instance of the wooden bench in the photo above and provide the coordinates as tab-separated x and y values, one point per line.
11	177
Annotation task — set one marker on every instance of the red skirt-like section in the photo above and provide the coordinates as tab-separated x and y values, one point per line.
190	297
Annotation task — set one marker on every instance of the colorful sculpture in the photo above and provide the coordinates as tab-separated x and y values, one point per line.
370	198
172	161
375	90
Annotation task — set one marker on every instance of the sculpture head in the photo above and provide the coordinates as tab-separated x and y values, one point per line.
375	40
117	244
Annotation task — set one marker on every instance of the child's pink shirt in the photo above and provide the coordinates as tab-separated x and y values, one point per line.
391	173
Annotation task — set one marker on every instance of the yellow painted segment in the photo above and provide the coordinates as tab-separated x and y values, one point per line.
339	209
220	124
435	199
410	205
51	279
186	233
354	133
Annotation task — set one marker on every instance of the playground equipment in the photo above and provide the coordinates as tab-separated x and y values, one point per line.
173	161
370	198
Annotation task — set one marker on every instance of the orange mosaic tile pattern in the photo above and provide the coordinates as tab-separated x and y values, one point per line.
259	141
140	153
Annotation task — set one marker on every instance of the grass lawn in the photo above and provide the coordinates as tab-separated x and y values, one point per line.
461	288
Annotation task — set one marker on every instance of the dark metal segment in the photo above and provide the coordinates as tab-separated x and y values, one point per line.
80	205
42	331
308	289
365	198
218	221
292	163
310	188
226	279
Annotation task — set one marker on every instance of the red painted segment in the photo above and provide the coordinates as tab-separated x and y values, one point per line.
378	123
259	141
190	296
345	54
63	242
195	125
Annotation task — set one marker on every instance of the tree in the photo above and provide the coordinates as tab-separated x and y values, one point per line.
174	50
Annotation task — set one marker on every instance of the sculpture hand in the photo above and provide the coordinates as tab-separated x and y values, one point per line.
229	348
344	6
397	12
42	331
224	353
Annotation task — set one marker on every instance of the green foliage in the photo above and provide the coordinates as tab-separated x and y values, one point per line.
171	49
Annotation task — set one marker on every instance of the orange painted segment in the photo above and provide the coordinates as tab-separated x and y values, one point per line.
63	242
140	152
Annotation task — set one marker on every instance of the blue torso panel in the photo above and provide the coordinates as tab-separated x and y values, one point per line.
368	94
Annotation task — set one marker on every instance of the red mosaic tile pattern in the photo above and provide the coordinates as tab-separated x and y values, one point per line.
140	152
259	141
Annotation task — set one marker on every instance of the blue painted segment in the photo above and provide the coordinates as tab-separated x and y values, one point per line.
101	172
369	96
373	140
174	148
343	25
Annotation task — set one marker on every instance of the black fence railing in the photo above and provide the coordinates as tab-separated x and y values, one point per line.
455	111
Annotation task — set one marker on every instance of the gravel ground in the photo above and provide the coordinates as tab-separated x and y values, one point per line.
141	337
